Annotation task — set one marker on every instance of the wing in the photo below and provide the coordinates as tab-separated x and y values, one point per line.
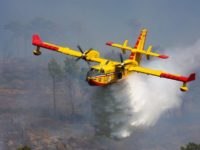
163	74
89	55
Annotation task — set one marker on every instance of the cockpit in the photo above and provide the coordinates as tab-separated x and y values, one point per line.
94	72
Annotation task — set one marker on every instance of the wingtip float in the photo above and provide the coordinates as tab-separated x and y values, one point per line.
108	71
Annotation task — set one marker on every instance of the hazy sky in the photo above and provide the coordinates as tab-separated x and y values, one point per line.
170	22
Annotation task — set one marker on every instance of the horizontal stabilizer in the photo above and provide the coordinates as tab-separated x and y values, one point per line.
163	56
147	52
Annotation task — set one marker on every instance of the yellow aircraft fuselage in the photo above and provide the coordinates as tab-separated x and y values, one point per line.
103	75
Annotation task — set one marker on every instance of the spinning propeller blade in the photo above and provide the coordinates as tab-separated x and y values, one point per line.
121	58
84	54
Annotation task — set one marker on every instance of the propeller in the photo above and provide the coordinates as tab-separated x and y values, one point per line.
84	54
122	64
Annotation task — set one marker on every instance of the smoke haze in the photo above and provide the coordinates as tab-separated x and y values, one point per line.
147	98
139	103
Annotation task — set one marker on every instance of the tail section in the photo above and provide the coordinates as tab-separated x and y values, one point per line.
139	45
138	50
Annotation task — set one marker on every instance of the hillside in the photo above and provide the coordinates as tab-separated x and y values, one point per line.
80	120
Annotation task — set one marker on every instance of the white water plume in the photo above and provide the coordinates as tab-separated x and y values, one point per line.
150	97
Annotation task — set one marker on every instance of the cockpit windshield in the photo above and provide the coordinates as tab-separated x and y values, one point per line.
94	72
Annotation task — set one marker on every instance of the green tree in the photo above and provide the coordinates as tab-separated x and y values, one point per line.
16	29
55	72
100	105
24	148
110	110
191	146
72	74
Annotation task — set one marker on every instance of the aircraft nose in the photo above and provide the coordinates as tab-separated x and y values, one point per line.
90	81
88	78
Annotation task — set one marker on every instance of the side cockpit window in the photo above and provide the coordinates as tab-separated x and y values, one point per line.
102	71
95	72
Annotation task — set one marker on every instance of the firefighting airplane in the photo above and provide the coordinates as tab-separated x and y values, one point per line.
108	71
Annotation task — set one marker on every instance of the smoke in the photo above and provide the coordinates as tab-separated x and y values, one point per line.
146	98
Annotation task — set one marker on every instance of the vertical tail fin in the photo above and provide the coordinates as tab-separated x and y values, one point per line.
139	45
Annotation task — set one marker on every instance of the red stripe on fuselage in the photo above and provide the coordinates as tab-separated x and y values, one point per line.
132	56
95	83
